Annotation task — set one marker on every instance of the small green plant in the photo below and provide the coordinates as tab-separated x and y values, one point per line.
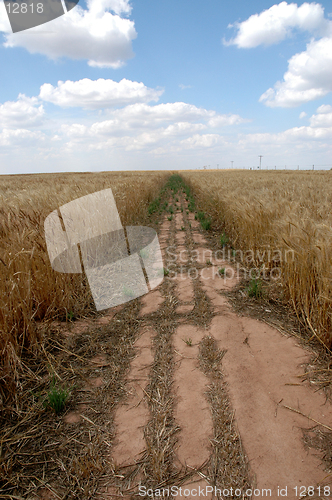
187	213
171	210
56	398
255	288
222	271
181	209
166	272
183	228
154	206
206	224
188	341
170	217
70	315
191	204
208	262
224	239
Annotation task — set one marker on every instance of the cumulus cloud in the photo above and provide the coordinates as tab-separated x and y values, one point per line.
198	141
22	113
98	34
76	130
295	138
309	74
96	94
309	77
20	137
140	126
278	22
141	114
323	117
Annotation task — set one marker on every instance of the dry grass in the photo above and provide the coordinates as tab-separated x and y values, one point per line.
228	466
278	220
39	450
31	293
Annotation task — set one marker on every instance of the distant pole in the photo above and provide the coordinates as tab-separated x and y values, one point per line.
313	167
298	167
218	166
275	167
232	163
260	161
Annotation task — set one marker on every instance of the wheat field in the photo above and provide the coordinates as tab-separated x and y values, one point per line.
31	293
283	221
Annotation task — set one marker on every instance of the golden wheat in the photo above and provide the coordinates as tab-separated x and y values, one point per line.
30	291
287	215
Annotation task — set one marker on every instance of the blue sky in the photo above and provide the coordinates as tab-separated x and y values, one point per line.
142	84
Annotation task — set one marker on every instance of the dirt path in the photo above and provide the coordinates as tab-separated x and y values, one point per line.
210	395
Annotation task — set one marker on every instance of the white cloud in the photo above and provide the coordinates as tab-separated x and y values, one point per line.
142	126
183	128
309	74
96	34
96	94
21	137
76	130
296	137
4	21
277	23
138	115
302	115
201	141
324	108
223	120
309	77
117	6
21	113
323	118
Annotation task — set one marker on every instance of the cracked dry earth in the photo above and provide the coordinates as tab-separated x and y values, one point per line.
208	391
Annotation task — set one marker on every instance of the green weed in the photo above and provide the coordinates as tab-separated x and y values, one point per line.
56	398
224	239
255	288
206	224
